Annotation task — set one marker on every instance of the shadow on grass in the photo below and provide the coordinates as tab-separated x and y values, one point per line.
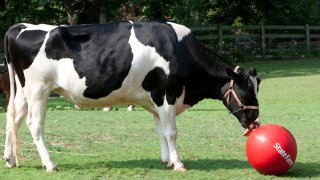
304	170
201	165
299	170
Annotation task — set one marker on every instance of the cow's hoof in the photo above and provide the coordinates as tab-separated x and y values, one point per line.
168	164
181	169
52	170
10	163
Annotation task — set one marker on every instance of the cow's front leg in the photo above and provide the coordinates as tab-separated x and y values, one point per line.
163	144
37	104
167	114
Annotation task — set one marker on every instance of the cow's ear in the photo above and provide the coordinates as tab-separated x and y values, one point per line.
252	71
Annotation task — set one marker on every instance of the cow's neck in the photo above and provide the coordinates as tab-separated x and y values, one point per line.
207	76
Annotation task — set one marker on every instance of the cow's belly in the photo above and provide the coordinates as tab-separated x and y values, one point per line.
114	98
130	92
64	80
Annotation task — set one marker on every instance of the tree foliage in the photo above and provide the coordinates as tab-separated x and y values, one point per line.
289	11
188	12
184	11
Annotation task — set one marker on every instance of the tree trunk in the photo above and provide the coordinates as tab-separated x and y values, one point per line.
71	18
102	18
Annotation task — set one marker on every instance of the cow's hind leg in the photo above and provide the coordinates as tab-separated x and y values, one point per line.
20	106
37	103
167	114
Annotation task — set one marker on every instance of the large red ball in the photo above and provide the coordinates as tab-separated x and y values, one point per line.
271	149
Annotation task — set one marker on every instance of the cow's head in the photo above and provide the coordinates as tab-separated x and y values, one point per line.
241	97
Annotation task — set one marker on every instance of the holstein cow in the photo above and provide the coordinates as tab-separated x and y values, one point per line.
159	66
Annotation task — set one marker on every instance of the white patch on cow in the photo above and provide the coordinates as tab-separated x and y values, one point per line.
255	85
60	74
180	106
180	30
32	27
146	57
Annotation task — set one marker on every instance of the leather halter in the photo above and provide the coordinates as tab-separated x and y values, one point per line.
230	92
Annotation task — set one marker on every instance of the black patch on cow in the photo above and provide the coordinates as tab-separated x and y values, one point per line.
159	85
156	82
62	45
23	49
161	36
100	53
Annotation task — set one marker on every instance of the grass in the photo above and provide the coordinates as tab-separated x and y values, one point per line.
124	145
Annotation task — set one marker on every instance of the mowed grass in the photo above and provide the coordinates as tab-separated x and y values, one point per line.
93	144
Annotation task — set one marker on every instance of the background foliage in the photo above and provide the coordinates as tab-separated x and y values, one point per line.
190	12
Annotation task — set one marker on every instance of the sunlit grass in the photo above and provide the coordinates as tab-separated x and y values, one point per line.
124	145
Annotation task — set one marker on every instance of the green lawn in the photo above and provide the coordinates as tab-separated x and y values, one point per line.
93	144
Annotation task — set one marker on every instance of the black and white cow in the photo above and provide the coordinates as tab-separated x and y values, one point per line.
159	66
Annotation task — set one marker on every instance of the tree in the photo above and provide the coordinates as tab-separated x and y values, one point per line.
92	11
289	11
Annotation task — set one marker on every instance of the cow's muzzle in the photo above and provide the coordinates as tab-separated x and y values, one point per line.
251	127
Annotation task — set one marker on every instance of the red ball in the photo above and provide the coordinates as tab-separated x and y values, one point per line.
271	149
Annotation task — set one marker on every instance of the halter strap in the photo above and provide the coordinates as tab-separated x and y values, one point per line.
231	91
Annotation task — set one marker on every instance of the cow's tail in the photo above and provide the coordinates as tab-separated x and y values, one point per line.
11	110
